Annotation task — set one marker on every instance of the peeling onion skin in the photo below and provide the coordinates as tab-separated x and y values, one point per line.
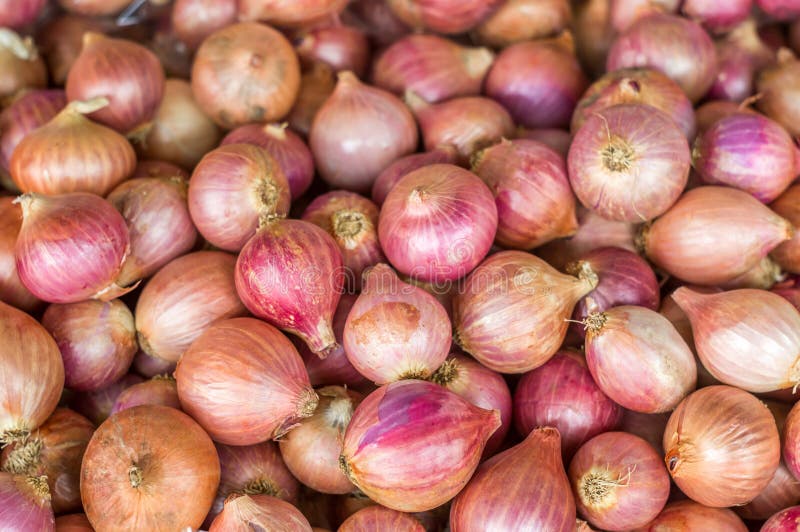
243	513
430	434
689	515
745	338
739	229
12	291
491	499
787	254
375	518
722	446
783	521
25	503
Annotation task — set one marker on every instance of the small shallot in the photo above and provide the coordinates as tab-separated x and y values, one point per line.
389	177
243	513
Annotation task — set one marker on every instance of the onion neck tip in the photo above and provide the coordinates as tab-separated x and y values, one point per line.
40	487
447	372
595	322
135	476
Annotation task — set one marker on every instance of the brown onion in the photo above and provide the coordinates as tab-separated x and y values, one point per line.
55	452
363	123
71	153
432	437
779	86
443	16
379	518
244	382
71	247
158	220
15	14
160	390
236	189
73	523
289	12
736	226
20	63
619	481
61	41
387	179
511	315
147	168
149	467
523	20
722	446
531	190
490	500
285	146
183	299
434	68
97	341
12	291
340	47
316	85
689	515
787	254
25	503
245	72
194	20
243	513
311	450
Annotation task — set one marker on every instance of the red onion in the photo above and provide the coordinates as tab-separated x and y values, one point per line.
21	65
194	20
791	442
619	481
523	20
160	390
311	450
717	17
431	436
443	16
285	146
387	179
512	313
689	515
787	254
97	341
636	85
183	299
15	14
783	521
362	123
236	189
25	503
746	338
779	9
562	394
740	231
73	523
779	87
626	12
621	169
71	247
316	85
352	221
557	139
377	19
539	82
529	182
708	113
340	47
12	291
437	223
395	330
243	513
159	224
678	47
97	405
290	274
740	54
289	12
649	427
150	366
149	168
380	518
434	68
722	446
491	499
638	359
244	382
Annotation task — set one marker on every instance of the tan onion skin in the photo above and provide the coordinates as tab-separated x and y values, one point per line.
149	468
778	86
12	291
73	523
375	518
523	20
787	254
443	16
60	42
316	85
247	513
246	72
747	338
159	390
194	20
689	516
491	500
289	13
713	234
20	64
183	299
722	446
93	8
341	47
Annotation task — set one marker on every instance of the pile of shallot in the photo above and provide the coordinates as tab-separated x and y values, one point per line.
399	265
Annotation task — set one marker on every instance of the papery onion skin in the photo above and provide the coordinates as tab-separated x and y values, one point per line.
61	41
434	68
511	314
194	20
243	513
746	338
739	229
531	189
430	434
20	63
747	151
151	168
437	223
71	247
149	366
126	73
488	501
717	17
244	382
160	390
159	224
93	8
359	122
12	291
290	274
649	427
523	20
289	13
791	442
71	153
636	85
689	515
149	467
763	275
638	359
539	82
380	518
778	86
593	34
17	14
395	330
557	139
621	169
25	503
96	406
783	521
740	55
708	113
389	177
97	341
183	299
626	12
680	48
73	523
234	190
443	16
316	85
787	205
285	146
246	72
340	47
55	451
562	394
722	446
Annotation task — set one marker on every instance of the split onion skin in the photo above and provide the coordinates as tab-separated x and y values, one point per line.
243	513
